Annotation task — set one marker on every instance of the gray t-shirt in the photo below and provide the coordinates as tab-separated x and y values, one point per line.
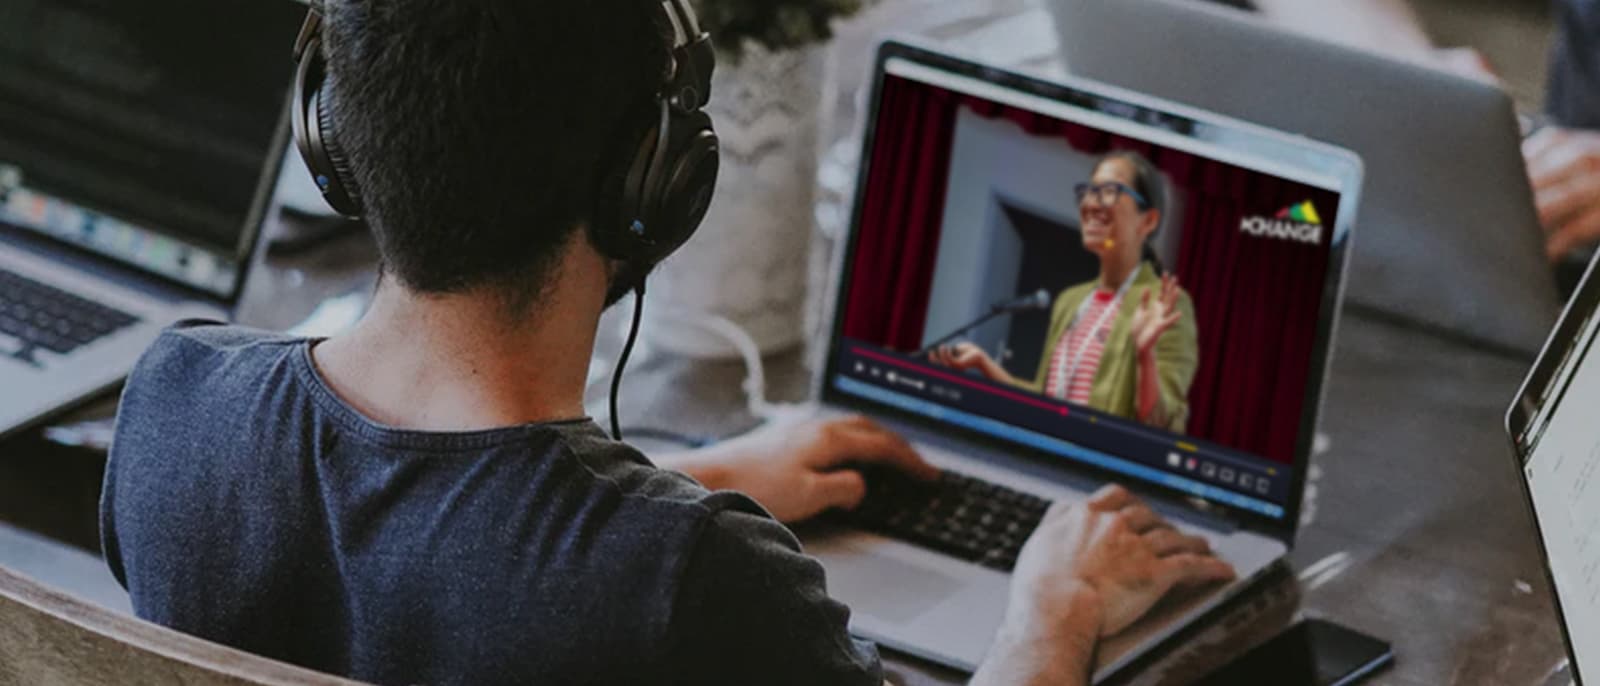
247	504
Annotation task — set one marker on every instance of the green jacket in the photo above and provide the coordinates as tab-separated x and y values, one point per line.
1116	387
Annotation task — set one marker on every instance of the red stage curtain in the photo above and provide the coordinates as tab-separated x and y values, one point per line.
903	207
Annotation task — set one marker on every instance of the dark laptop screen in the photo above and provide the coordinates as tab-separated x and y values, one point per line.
971	206
141	130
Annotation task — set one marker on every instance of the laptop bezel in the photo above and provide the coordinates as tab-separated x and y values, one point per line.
1585	302
1341	164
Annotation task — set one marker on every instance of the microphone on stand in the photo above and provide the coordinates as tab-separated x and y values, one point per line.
1037	300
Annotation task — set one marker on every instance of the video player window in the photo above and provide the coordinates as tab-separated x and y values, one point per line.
1153	300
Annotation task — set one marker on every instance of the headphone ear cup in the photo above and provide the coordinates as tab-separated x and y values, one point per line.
618	225
337	183
681	189
312	126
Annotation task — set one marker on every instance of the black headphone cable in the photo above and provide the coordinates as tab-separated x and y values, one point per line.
622	360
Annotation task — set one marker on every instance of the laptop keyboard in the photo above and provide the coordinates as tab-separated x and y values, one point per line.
49	318
956	514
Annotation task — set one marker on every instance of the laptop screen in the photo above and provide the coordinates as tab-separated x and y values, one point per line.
145	131
1007	268
1560	450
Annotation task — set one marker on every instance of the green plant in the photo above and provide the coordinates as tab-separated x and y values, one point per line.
773	24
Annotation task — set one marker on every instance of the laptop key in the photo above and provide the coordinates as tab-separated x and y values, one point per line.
957	515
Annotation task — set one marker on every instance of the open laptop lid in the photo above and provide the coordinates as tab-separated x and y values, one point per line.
965	199
1553	432
147	134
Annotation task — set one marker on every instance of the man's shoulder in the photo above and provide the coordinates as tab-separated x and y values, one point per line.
198	342
199	364
219	337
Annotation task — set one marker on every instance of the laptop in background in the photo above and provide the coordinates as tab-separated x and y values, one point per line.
1557	446
139	145
1449	233
965	200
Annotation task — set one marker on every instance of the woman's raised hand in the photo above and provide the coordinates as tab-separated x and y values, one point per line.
1155	315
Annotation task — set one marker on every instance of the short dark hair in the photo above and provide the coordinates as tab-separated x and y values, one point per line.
479	132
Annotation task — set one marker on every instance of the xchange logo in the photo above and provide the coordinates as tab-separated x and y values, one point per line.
1299	223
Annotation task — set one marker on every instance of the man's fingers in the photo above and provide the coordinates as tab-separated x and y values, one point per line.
1141	519
1165	542
875	444
1170	320
1111	498
858	421
843	489
1193	569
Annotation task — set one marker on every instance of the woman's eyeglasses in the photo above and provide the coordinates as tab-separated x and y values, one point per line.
1105	194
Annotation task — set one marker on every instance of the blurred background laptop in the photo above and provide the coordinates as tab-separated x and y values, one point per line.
136	161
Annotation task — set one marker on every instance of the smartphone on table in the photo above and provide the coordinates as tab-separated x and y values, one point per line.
1313	652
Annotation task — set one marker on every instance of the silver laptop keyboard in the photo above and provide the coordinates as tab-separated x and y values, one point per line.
956	514
48	318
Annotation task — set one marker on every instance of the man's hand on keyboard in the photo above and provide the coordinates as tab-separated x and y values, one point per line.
1120	549
797	470
1089	571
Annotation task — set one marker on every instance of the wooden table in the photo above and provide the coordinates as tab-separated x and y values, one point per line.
1414	528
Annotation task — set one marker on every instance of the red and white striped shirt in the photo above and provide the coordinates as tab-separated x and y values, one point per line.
1083	343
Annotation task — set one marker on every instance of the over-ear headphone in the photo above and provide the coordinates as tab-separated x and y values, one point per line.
643	215
640	216
313	126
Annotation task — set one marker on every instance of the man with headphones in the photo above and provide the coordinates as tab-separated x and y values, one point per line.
422	500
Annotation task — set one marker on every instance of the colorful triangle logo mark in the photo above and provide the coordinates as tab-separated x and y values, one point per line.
1305	213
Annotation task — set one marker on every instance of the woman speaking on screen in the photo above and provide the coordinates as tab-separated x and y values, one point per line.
1124	343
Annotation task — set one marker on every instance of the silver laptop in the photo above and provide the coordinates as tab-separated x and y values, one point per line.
1449	234
965	209
137	156
1552	430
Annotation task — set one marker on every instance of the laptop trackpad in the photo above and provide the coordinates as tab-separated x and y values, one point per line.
863	581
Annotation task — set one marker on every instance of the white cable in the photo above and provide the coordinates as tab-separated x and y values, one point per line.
755	382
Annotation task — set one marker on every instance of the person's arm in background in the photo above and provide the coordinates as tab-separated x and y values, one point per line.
1564	168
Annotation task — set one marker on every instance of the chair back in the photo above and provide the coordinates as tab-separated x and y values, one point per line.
49	637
